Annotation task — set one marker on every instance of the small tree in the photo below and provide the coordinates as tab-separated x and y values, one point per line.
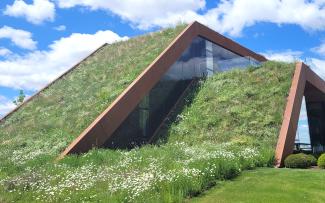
20	99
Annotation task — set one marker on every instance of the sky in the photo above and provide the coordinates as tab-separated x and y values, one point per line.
40	39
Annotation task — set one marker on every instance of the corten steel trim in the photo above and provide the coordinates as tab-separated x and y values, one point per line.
109	120
51	83
302	75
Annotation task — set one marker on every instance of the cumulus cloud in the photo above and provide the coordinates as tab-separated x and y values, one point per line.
320	49
60	28
229	16
20	38
318	66
285	56
4	52
36	13
6	105
141	13
35	69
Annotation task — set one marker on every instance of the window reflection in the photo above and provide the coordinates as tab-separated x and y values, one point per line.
201	59
302	141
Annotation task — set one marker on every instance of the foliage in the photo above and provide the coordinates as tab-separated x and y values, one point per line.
230	125
321	161
311	159
269	185
298	161
20	99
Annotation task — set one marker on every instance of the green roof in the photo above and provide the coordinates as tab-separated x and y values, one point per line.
52	119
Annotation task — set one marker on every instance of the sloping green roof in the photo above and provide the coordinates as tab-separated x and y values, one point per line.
238	106
59	113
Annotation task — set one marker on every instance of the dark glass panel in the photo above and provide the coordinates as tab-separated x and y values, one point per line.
316	120
202	58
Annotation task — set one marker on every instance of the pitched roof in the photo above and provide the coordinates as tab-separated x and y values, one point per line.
111	118
65	107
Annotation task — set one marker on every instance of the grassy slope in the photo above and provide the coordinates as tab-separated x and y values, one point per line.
238	106
270	185
54	118
241	107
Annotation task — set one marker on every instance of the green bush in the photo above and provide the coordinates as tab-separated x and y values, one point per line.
297	161
311	159
321	161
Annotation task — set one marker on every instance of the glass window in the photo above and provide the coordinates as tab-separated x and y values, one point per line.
302	141
316	120
201	59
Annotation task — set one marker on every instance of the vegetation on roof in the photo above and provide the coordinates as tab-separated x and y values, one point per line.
51	120
230	123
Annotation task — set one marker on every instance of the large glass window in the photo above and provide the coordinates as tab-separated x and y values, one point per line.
201	59
316	120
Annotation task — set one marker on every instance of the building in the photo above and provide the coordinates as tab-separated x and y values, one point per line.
137	115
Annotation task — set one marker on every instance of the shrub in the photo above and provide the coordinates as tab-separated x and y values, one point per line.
321	161
311	159
297	161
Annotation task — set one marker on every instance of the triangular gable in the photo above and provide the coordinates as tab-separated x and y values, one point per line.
304	80
110	119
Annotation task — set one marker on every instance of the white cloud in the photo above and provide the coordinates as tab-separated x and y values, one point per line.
285	56
142	13
229	16
5	105
4	51
318	66
34	70
60	28
36	13
20	38
320	49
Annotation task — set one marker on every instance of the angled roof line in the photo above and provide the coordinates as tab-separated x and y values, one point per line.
110	119
302	75
51	83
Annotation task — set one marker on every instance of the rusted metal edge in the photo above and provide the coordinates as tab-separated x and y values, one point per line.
51	83
110	119
289	126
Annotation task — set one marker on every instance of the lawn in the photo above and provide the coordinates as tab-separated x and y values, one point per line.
269	185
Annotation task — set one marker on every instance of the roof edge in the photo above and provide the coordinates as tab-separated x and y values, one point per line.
51	83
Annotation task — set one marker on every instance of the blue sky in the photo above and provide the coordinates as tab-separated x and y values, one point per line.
40	39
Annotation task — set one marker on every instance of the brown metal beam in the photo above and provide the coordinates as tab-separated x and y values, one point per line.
302	77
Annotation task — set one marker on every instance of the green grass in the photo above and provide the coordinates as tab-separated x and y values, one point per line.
230	125
59	114
238	106
269	185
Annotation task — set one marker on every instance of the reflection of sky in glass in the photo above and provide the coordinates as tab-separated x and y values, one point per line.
303	129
